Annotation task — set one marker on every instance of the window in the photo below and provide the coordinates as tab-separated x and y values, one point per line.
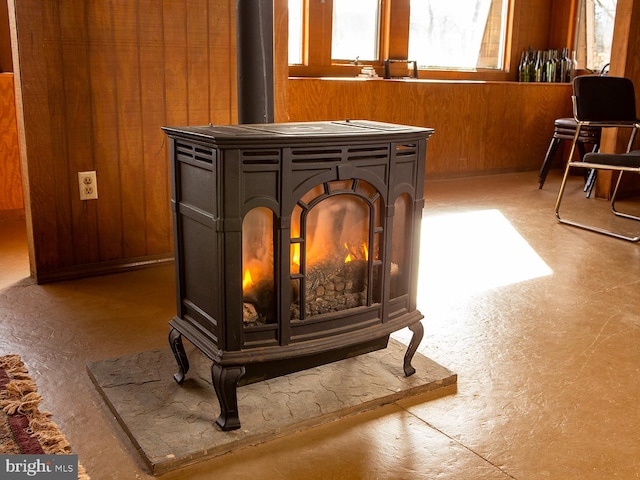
295	32
458	34
355	30
595	33
453	38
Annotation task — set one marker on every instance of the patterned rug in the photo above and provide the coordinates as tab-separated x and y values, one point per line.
23	428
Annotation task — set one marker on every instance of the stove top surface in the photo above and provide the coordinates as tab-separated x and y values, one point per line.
279	131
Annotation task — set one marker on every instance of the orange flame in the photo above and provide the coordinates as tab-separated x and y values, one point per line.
247	281
295	258
348	259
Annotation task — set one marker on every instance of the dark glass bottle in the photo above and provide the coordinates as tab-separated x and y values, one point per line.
539	67
551	66
521	67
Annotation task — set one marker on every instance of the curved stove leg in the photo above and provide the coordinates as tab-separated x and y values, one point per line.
418	333
175	341
225	382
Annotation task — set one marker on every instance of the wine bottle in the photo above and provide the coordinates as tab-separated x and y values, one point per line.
539	67
551	67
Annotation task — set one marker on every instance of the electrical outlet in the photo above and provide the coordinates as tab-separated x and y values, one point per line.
88	185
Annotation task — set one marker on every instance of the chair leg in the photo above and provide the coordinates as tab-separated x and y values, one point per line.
613	203
615	190
593	174
590	182
588	227
561	191
548	160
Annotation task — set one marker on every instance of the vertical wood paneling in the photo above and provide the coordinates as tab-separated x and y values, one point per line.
480	126
503	127
6	64
58	171
41	170
222	73
281	59
104	104
129	124
98	78
562	31
198	83
156	168
10	175
399	29
531	27
79	125
175	55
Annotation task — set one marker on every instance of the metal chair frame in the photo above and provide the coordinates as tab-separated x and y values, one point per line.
565	129
627	162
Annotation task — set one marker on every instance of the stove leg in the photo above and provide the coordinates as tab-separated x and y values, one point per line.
418	332
175	341
225	382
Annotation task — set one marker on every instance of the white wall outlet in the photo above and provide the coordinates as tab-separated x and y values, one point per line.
88	185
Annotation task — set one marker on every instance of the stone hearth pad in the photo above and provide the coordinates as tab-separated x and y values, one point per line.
173	425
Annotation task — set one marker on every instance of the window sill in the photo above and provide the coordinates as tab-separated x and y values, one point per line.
352	71
426	80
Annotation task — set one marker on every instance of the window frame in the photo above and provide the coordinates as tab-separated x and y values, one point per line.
316	49
585	32
382	21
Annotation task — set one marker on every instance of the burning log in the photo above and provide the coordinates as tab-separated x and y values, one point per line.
334	286
259	303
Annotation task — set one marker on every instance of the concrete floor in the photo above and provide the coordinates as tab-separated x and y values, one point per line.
539	320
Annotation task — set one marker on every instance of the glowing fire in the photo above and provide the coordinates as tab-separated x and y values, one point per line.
348	259
295	258
247	281
351	258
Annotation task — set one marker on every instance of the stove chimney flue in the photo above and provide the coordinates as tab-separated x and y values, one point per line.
255	61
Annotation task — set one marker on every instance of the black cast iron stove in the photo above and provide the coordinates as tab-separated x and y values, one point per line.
296	245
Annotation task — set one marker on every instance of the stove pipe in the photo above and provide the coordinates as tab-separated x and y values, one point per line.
255	61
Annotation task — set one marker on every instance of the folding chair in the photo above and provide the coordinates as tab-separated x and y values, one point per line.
606	102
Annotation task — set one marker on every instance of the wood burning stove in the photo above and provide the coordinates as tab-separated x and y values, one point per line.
296	244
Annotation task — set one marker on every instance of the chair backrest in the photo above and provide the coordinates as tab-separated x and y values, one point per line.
604	99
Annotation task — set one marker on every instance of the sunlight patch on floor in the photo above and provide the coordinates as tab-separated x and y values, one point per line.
471	252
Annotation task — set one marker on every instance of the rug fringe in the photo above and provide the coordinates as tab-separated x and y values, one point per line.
20	387
49	435
20	396
12	364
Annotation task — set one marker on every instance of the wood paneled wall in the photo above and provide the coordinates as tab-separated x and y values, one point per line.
6	64
96	81
11	200
480	127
